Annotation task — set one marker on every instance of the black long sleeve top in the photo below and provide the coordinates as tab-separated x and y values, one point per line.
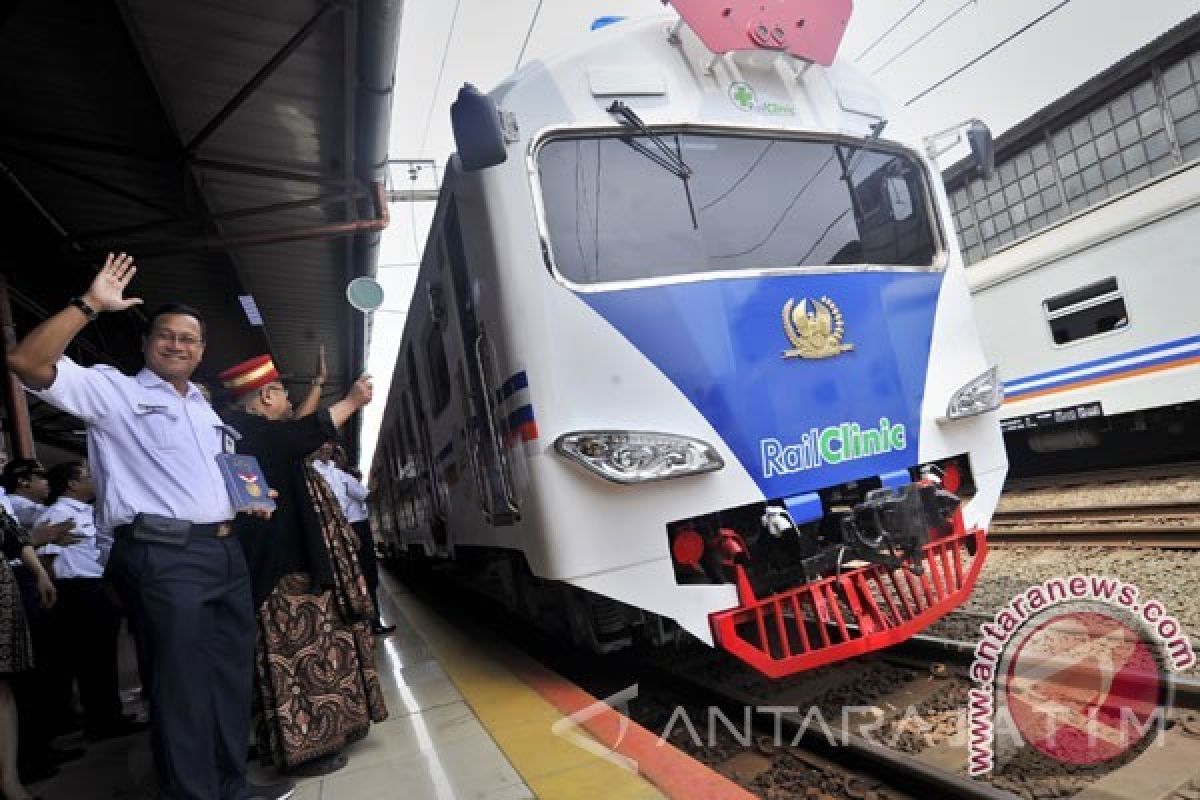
290	541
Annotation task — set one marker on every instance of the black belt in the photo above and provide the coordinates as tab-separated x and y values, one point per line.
212	530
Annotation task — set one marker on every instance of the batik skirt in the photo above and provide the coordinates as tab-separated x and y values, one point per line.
316	687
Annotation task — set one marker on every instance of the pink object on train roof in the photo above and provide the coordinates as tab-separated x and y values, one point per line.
808	29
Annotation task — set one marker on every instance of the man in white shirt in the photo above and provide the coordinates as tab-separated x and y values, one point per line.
87	620
356	515
324	464
153	442
351	495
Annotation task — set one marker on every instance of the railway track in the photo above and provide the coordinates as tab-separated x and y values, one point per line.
1146	524
924	679
1185	469
840	761
937	649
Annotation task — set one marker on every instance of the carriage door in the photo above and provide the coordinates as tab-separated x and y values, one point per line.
427	469
487	435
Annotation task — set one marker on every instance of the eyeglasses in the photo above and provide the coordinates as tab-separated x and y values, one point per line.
170	337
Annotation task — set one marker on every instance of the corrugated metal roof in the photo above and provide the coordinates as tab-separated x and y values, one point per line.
170	129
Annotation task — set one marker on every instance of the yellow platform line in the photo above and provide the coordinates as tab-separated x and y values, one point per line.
514	714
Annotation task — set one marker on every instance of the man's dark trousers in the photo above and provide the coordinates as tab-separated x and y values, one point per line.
366	560
193	609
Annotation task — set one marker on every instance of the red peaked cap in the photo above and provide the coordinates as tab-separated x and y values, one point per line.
249	376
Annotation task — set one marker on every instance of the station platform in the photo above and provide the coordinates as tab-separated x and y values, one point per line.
469	717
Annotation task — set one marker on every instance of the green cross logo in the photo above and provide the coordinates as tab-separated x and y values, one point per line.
742	95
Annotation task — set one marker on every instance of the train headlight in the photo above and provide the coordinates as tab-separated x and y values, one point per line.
638	456
981	395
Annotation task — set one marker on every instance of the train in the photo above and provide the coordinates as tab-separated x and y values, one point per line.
692	355
1090	317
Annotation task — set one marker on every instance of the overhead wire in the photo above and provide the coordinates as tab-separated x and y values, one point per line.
787	210
889	31
986	53
528	33
437	85
741	178
941	23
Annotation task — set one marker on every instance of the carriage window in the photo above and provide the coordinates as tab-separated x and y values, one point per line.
614	213
439	369
1086	312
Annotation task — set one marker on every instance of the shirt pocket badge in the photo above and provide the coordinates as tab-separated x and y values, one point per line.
157	424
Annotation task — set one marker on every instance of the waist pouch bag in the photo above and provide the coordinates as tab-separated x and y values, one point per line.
162	530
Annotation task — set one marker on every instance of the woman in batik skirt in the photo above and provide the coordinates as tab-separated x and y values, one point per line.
16	649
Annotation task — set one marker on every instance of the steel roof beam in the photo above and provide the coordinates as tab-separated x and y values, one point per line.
328	231
64	141
241	213
314	22
268	171
33	201
83	177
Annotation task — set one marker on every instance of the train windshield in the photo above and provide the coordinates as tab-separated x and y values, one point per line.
615	212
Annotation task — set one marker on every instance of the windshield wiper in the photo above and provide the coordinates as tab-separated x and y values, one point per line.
857	151
670	160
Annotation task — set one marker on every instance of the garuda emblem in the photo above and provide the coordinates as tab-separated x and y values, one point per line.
815	333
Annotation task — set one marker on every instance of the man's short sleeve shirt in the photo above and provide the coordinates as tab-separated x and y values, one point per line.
333	476
151	449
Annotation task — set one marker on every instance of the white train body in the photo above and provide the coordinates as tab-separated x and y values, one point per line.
542	334
1094	318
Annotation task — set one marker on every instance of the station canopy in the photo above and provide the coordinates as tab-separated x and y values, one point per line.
233	148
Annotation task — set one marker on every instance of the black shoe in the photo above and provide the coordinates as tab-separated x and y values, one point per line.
382	630
34	773
319	766
273	791
65	725
66	755
124	726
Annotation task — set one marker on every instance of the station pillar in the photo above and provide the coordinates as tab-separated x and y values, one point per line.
16	408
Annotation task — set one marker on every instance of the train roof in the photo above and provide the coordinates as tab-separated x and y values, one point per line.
670	76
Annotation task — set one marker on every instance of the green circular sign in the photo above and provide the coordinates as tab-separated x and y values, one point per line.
365	294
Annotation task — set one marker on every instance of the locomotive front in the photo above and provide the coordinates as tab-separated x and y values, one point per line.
755	289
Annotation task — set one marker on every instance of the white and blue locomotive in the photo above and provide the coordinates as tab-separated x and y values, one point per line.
692	349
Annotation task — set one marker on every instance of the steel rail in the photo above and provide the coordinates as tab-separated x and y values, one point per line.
1119	475
1186	687
1122	511
1182	537
855	753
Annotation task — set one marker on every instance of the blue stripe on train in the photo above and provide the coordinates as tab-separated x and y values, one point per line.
513	385
1050	379
721	343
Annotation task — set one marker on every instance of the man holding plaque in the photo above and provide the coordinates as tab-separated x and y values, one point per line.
153	442
311	603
